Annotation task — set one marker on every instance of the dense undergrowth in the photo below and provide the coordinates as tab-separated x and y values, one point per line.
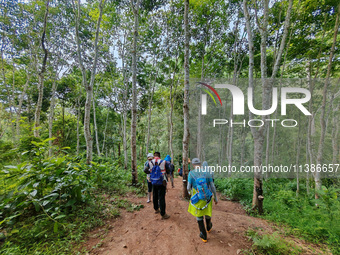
47	205
314	220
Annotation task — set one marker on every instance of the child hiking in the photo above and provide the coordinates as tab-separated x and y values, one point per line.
158	169
203	188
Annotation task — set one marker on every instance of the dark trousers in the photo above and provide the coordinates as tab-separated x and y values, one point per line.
159	198
149	186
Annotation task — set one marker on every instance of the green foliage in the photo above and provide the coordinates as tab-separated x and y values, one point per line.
26	145
236	189
272	244
314	220
48	203
7	152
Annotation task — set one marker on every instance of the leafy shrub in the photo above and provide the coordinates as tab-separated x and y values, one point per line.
236	189
281	204
272	244
7	152
47	203
27	146
52	185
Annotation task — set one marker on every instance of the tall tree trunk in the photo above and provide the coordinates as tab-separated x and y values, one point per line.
307	162
243	141
41	77
277	64
259	134
186	134
317	175
310	120
104	141
335	135
125	107
88	87
171	126
171	111
235	76
78	117
258	139
21	100
95	126
267	149
150	112
125	140
135	9
51	117
299	141
199	117
13	97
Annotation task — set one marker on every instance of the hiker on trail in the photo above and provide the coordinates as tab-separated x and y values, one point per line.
150	157
158	169
172	169
202	186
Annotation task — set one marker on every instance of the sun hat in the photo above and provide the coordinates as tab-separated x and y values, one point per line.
195	161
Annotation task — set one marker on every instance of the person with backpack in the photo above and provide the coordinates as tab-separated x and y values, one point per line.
203	189
149	157
158	169
172	169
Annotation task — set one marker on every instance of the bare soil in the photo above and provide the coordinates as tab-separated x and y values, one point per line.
144	232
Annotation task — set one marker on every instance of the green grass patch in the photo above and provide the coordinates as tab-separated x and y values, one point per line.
272	244
298	214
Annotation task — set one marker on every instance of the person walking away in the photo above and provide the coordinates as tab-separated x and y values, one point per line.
149	157
202	188
158	169
172	169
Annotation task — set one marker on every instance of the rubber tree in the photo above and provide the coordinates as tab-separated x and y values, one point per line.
41	76
88	85
267	84
186	134
135	10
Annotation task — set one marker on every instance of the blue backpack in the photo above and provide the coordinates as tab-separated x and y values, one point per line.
156	175
203	191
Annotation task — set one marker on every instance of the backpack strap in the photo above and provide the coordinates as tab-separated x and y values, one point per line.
152	165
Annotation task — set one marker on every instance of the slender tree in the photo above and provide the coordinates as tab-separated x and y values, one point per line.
88	85
41	75
323	123
186	134
135	10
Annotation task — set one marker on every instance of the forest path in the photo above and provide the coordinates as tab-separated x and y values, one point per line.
144	232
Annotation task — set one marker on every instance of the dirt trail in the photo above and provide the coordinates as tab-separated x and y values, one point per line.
144	232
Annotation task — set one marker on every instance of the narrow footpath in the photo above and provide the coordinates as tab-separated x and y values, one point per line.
144	232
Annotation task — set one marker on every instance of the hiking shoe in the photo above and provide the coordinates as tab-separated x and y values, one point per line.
157	211
203	238
165	216
203	232
209	224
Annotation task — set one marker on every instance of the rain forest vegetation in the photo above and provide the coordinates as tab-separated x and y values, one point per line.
88	88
